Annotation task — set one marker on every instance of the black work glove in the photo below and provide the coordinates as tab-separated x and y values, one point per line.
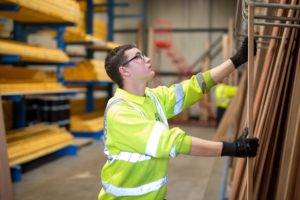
242	147
241	55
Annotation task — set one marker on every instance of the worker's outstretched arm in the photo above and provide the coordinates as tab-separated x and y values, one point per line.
223	70
180	96
242	147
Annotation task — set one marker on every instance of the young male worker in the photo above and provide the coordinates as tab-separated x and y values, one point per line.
138	140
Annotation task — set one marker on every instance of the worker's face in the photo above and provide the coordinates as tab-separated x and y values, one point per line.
137	66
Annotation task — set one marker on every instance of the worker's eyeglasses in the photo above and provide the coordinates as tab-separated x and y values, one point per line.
138	56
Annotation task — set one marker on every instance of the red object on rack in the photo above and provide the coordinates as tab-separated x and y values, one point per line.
162	29
162	33
162	44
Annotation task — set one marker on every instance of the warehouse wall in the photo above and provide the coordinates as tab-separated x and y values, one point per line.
182	14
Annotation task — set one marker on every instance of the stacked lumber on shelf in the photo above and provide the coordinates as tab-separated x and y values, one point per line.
100	9
88	70
36	11
32	142
78	32
20	79
89	122
7	114
276	118
78	106
100	28
32	53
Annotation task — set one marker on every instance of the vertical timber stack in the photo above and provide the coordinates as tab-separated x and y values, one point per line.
276	116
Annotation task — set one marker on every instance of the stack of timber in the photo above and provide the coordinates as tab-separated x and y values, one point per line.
100	9
100	29
35	11
7	107
89	122
87	70
32	53
20	79
78	33
78	106
32	142
276	117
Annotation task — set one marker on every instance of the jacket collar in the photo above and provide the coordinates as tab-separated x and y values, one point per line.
128	96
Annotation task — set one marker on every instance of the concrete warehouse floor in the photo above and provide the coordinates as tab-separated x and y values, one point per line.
77	178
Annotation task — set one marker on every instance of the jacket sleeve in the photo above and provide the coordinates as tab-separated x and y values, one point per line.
180	96
129	131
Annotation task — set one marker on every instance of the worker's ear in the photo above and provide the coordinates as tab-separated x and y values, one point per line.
124	71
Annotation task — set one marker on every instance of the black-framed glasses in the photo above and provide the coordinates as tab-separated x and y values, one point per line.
138	56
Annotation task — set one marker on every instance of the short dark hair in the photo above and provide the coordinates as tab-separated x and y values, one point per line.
114	60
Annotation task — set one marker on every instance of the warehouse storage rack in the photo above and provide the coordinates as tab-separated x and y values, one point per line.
21	31
92	47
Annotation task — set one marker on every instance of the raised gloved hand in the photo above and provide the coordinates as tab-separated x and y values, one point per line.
241	55
242	147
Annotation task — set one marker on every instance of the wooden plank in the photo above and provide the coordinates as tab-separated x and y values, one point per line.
40	153
5	180
289	158
41	92
31	52
272	97
250	97
264	128
292	187
277	82
47	11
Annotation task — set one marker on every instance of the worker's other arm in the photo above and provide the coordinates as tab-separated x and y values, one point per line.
242	147
221	71
202	147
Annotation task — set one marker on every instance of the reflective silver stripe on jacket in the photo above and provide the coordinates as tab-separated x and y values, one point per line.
201	82
130	157
153	141
179	98
136	191
173	153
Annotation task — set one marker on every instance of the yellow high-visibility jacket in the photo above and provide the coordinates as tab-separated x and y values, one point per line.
223	94
139	142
